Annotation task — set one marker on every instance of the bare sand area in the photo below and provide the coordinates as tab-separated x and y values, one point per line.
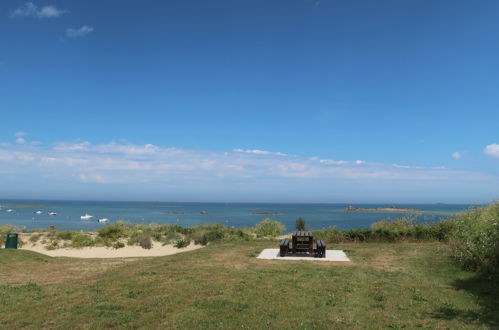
129	251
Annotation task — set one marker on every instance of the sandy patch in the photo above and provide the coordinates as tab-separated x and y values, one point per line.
157	250
331	255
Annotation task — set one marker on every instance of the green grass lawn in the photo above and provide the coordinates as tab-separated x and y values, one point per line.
388	285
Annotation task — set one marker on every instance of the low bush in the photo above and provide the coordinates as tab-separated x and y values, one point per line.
205	234
52	245
81	239
404	229
182	243
65	235
112	232
269	228
145	242
118	245
474	239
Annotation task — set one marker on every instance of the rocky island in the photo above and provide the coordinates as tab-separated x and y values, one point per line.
385	209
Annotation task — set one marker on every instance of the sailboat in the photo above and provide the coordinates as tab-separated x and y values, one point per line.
86	217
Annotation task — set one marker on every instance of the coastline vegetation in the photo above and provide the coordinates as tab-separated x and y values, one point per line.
404	274
472	236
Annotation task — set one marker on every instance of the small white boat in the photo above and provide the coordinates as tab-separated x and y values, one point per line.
38	212
86	217
103	220
9	210
52	213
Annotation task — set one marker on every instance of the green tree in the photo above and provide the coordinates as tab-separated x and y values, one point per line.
300	224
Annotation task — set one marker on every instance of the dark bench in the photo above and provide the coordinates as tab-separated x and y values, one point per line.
283	247
321	249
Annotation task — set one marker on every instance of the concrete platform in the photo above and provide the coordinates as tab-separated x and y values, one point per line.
331	255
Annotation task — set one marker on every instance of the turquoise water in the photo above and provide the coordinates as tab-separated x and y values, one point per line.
188	214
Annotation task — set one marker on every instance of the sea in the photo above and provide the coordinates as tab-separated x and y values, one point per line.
317	216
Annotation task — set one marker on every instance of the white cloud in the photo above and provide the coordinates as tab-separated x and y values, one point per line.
130	163
406	166
260	152
457	155
20	134
50	12
338	162
31	10
80	32
20	140
492	150
125	169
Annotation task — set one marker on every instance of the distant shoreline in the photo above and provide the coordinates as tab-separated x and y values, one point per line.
388	209
34	205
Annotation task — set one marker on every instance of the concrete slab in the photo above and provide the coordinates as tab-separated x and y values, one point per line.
331	255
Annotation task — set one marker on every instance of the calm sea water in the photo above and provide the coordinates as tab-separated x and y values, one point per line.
188	214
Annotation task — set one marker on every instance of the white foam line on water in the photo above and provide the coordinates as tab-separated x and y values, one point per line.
331	255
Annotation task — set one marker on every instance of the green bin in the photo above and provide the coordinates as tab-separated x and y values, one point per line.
11	241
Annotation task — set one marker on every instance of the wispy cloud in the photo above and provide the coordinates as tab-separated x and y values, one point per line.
338	162
21	138
260	152
127	163
80	32
31	10
407	166
160	171
492	150
457	155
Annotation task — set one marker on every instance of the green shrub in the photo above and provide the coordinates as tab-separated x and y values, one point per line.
300	224
330	235
81	239
112	232
118	245
474	239
52	245
269	228
66	234
170	237
182	243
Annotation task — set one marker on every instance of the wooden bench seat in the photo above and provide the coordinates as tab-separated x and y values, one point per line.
320	252
283	247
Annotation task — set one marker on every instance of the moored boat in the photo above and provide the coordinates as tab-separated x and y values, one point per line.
86	217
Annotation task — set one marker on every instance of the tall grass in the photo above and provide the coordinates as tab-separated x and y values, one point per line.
403	229
475	239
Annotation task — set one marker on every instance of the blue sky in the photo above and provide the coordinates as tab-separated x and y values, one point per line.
288	101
